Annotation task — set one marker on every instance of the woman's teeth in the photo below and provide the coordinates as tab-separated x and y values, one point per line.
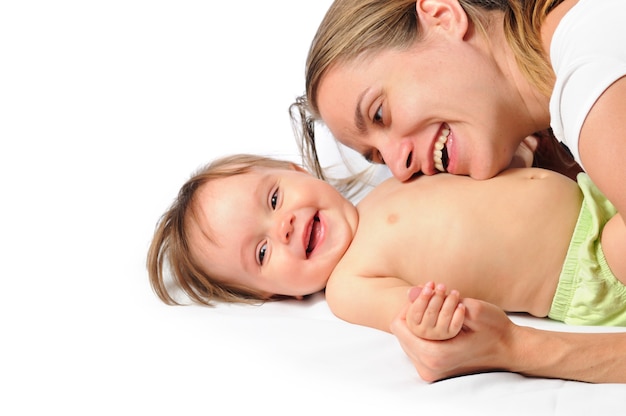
440	153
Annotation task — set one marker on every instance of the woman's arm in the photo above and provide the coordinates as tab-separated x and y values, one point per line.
602	144
491	342
602	150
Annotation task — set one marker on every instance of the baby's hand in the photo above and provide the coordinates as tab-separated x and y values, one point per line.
433	315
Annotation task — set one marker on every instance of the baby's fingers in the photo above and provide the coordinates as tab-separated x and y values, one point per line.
456	324
417	309
452	313
448	308
433	311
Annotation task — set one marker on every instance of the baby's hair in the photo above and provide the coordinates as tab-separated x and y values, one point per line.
170	261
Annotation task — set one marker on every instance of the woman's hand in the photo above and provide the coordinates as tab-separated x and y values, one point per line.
483	344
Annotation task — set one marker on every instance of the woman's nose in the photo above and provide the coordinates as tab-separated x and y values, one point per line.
398	156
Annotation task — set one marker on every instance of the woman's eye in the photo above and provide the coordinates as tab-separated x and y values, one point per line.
274	199
380	159
374	156
261	255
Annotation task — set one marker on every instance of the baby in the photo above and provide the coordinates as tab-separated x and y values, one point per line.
248	228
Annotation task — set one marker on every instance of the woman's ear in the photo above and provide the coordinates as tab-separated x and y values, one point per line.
443	14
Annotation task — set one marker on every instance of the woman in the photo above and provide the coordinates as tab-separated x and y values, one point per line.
461	86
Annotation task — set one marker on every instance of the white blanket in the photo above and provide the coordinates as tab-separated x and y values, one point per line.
105	110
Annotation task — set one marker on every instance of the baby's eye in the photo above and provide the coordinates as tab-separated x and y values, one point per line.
261	254
378	117
274	199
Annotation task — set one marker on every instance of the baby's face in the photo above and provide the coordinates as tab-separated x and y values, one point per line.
278	231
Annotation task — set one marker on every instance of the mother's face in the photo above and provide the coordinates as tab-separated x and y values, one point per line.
442	104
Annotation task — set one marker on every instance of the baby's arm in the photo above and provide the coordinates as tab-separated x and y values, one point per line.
376	301
435	315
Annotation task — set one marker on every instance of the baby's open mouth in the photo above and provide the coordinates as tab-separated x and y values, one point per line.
314	236
440	152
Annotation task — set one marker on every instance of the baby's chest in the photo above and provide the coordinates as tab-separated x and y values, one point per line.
416	248
388	248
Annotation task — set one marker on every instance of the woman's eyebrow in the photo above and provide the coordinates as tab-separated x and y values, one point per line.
359	120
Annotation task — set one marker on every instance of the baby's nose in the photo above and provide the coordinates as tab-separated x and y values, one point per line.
285	229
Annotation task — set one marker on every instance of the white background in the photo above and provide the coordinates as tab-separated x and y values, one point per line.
106	107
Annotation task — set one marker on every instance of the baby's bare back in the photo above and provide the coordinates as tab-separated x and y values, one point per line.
503	240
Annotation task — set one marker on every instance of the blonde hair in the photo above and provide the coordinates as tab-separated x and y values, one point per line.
351	28
169	257
522	28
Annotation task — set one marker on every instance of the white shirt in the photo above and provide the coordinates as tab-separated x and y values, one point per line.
588	54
